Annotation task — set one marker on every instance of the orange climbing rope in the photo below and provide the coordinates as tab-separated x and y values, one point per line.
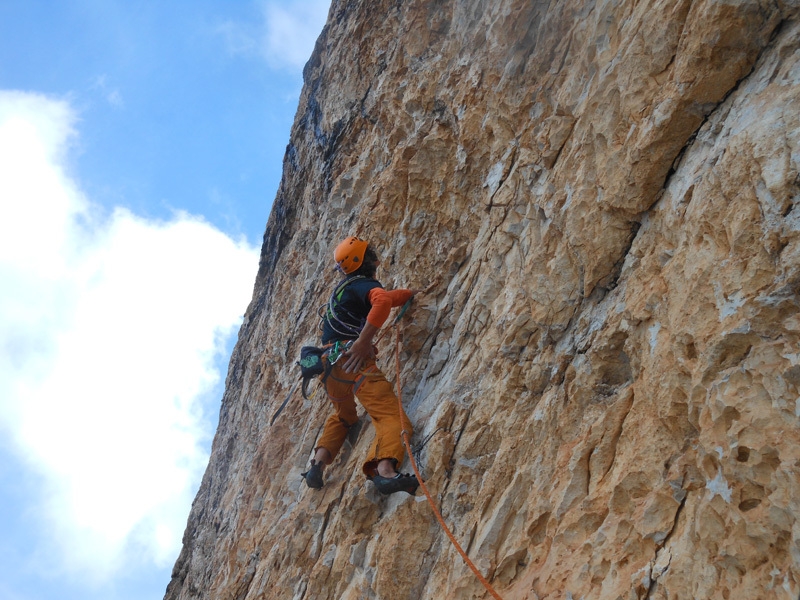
404	434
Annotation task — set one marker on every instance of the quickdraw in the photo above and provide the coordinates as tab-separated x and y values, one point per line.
339	349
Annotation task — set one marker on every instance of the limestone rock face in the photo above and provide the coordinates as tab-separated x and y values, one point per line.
609	368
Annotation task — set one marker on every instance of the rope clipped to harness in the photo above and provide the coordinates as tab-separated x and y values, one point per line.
404	434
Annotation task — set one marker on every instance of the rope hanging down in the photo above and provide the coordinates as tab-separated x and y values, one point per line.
407	443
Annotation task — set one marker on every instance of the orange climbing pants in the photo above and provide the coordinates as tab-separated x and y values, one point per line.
376	395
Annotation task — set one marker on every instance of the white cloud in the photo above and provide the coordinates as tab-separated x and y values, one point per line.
286	36
111	332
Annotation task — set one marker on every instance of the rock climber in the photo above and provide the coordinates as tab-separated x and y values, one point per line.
357	309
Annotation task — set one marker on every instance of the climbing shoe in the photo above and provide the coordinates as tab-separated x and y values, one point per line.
313	476
399	483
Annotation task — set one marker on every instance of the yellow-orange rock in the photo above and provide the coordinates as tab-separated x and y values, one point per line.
607	192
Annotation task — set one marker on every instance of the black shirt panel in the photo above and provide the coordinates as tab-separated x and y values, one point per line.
351	306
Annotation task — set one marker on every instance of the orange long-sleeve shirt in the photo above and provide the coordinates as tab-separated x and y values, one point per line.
382	303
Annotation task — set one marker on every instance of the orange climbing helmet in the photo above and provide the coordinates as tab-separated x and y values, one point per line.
349	255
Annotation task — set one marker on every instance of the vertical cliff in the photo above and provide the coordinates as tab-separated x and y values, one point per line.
609	368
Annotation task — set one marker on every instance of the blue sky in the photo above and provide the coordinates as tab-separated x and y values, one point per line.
141	146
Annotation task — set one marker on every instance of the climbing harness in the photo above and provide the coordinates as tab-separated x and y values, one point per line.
406	441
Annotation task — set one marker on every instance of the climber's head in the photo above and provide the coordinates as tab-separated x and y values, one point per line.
353	255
